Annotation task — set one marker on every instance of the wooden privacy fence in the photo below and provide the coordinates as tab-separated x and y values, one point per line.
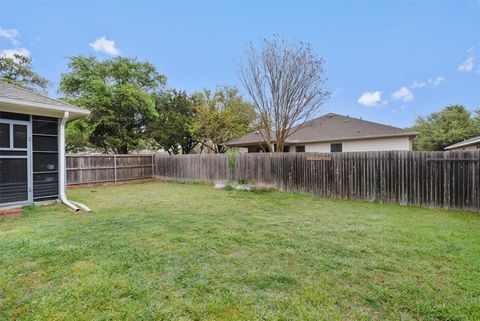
96	169
431	179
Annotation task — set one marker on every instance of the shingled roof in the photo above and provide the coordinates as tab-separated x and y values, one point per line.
331	127
24	99
465	143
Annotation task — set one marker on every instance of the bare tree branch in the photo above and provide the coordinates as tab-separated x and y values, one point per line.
287	85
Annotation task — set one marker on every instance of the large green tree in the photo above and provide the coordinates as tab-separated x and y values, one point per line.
171	129
18	70
450	125
221	116
120	93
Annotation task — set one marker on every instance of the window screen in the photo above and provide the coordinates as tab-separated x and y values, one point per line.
45	186
19	136
335	148
45	162
13	175
45	158
4	135
43	127
14	116
45	143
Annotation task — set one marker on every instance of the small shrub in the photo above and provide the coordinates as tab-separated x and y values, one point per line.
243	181
231	159
229	187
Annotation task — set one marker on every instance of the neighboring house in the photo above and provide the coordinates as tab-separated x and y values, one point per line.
469	144
335	133
32	146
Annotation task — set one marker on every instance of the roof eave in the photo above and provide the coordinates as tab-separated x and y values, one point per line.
41	109
462	144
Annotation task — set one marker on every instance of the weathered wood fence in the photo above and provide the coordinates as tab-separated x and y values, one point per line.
96	169
431	179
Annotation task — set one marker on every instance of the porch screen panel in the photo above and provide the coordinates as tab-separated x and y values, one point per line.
13	175
45	158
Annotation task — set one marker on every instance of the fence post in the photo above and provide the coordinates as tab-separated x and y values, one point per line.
115	167
153	166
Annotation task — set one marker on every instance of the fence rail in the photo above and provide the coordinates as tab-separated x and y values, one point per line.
431	179
96	169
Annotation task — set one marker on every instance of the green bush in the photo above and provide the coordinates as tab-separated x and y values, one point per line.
243	181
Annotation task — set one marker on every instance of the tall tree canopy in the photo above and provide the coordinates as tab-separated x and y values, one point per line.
448	126
18	70
120	93
220	117
171	129
287	85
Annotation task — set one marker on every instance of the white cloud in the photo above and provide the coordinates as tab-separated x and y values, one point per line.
104	45
9	53
467	64
370	99
436	81
404	94
10	34
418	84
432	82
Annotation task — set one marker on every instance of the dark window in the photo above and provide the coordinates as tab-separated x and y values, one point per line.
19	136
45	143
286	149
336	148
262	150
44	118
299	149
5	135
45	186
13	175
14	116
45	158
45	162
43	127
13	153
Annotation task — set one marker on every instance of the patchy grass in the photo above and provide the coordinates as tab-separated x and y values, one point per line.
158	251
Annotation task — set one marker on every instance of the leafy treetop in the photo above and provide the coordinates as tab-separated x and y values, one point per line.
18	70
120	93
451	125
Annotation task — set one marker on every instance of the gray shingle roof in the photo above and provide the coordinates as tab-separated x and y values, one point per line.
17	93
467	142
331	127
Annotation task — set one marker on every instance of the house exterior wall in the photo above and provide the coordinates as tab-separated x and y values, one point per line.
363	145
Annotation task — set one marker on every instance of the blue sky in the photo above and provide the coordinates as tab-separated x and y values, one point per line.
386	61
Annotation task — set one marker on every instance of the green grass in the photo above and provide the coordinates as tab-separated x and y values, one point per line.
158	251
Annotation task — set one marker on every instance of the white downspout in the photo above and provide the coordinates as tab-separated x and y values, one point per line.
62	170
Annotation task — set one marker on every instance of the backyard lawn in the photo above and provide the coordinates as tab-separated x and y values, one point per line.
160	251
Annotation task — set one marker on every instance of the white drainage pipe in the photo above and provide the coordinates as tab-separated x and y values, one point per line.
62	169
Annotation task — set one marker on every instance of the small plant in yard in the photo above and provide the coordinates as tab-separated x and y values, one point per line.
231	161
243	181
229	187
